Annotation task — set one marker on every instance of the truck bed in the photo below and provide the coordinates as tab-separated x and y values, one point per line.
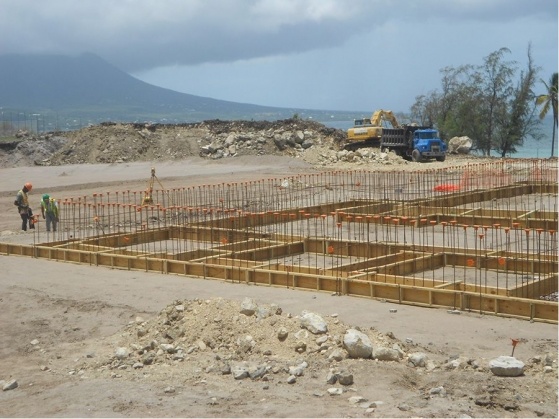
398	137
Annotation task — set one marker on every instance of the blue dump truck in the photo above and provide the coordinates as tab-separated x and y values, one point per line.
414	143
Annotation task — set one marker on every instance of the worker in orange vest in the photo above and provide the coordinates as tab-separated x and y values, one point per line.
22	203
49	210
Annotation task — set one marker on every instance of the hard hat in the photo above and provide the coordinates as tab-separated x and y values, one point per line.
28	186
46	196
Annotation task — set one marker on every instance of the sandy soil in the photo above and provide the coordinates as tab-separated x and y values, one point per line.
62	324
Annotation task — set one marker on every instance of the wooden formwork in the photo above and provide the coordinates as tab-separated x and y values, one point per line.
386	286
236	249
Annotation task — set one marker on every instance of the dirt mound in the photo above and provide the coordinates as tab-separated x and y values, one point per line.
224	330
309	141
110	142
220	343
129	142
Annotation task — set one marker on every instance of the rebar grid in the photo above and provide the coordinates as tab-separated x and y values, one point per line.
490	225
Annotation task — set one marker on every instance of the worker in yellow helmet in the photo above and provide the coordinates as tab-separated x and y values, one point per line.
22	203
49	210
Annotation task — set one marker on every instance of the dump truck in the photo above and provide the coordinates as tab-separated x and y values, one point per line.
367	132
414	143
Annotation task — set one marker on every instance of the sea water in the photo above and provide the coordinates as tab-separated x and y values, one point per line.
528	150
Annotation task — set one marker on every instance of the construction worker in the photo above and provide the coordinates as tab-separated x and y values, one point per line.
49	210
22	203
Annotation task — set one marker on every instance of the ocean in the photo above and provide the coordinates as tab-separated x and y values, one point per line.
529	150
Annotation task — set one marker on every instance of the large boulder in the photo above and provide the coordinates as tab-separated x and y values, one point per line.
357	344
460	145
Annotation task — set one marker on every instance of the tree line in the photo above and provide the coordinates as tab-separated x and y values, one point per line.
494	104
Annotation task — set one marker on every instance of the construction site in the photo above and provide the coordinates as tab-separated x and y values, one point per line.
480	237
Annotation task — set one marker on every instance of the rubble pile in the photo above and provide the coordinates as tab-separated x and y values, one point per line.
128	142
219	338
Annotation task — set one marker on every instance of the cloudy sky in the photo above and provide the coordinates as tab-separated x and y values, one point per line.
315	54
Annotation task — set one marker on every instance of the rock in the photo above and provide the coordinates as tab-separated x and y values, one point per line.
245	344
167	347
298	370
357	344
263	312
225	369
10	385
300	346
275	309
460	145
313	323
231	139
248	307
337	355
440	391
506	366
386	354
321	340
345	378
148	358
404	407
335	391
207	149
357	399
332	377
308	143
121	353
280	143
239	372
256	371
484	401
452	364
417	359
282	333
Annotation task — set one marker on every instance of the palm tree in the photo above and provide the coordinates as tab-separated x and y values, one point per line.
549	100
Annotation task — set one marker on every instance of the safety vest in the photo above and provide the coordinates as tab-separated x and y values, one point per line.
22	199
50	207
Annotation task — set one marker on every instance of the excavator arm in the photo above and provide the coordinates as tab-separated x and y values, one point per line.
381	115
363	134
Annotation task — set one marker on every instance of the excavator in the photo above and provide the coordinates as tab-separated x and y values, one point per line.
368	132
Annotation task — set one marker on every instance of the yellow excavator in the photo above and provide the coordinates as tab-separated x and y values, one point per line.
367	132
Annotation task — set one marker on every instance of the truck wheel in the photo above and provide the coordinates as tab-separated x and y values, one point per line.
416	156
441	158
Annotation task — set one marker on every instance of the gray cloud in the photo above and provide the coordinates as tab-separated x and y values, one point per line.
316	54
143	34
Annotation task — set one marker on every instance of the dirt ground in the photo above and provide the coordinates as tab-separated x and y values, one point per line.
75	338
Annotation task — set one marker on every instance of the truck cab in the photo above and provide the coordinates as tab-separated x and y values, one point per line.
428	144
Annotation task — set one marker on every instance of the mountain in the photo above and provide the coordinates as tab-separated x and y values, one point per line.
91	89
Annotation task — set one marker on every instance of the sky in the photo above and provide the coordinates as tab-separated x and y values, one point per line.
346	55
